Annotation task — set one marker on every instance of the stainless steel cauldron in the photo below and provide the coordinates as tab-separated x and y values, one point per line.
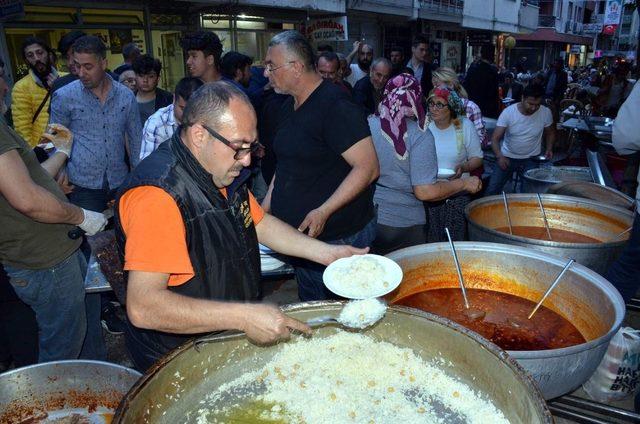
538	180
176	384
582	216
53	390
583	297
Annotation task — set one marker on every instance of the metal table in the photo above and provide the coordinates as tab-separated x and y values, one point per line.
95	281
599	126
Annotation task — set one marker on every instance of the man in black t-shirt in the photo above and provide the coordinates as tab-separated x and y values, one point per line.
326	161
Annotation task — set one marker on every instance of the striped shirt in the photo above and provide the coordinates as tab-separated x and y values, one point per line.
99	132
159	127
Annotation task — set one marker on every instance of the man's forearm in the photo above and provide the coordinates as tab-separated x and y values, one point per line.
54	163
285	239
42	206
495	146
187	315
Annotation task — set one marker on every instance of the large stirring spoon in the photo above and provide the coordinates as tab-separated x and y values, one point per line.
506	211
544	216
621	234
555	283
472	313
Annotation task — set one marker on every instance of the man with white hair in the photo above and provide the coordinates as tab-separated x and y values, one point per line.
368	91
326	160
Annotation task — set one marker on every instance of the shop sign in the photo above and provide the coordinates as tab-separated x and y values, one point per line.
327	29
613	12
592	28
11	9
479	38
575	49
609	29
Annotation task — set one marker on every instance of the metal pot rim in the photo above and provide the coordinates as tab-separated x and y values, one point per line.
520	373
527	196
87	362
576	268
527	173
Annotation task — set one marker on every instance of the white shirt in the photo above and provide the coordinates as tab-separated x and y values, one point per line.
626	137
356	74
159	128
447	152
523	135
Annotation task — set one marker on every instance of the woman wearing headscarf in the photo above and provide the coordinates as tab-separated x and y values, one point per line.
448	77
408	167
459	153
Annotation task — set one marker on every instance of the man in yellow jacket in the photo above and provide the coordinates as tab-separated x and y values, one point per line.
30	98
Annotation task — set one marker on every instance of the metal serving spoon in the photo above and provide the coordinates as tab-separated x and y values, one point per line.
472	313
342	319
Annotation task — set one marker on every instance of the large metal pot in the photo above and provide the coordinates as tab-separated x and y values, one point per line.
92	389
583	297
593	219
538	180
177	383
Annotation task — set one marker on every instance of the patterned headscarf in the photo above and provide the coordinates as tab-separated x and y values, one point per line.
402	98
450	96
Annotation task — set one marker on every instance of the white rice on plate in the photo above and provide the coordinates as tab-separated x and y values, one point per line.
361	276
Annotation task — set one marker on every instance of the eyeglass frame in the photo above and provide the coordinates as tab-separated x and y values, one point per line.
241	152
438	106
269	67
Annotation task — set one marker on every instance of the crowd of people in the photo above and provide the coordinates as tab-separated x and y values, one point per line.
310	155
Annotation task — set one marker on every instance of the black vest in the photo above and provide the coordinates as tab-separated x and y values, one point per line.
221	237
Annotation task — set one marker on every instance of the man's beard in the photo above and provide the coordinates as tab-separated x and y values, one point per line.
44	74
364	64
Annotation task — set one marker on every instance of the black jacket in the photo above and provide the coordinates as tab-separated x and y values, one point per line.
221	237
481	82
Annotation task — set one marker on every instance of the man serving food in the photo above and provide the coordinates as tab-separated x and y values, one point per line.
188	230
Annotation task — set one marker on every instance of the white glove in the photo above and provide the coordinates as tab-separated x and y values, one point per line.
61	137
93	222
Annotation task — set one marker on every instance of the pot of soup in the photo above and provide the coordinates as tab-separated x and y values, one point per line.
564	341
581	229
409	367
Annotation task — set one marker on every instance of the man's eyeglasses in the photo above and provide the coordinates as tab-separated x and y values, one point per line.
437	105
270	68
240	152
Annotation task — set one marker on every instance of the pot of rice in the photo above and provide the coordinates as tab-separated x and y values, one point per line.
410	367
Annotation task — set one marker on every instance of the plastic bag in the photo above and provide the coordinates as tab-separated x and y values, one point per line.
618	375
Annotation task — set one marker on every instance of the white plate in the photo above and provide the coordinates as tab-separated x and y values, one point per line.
445	173
392	276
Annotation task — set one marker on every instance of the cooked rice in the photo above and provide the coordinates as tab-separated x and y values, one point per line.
350	377
362	313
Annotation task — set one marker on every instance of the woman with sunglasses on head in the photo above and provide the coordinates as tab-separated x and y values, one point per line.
448	77
459	153
408	167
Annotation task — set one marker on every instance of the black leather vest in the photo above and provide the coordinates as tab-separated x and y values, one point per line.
221	237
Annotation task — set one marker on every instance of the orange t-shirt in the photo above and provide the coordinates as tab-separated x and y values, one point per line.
156	235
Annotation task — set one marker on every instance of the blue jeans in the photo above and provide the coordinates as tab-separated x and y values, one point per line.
623	274
309	274
499	177
56	295
94	200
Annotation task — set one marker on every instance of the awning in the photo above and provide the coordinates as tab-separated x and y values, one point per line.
550	34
